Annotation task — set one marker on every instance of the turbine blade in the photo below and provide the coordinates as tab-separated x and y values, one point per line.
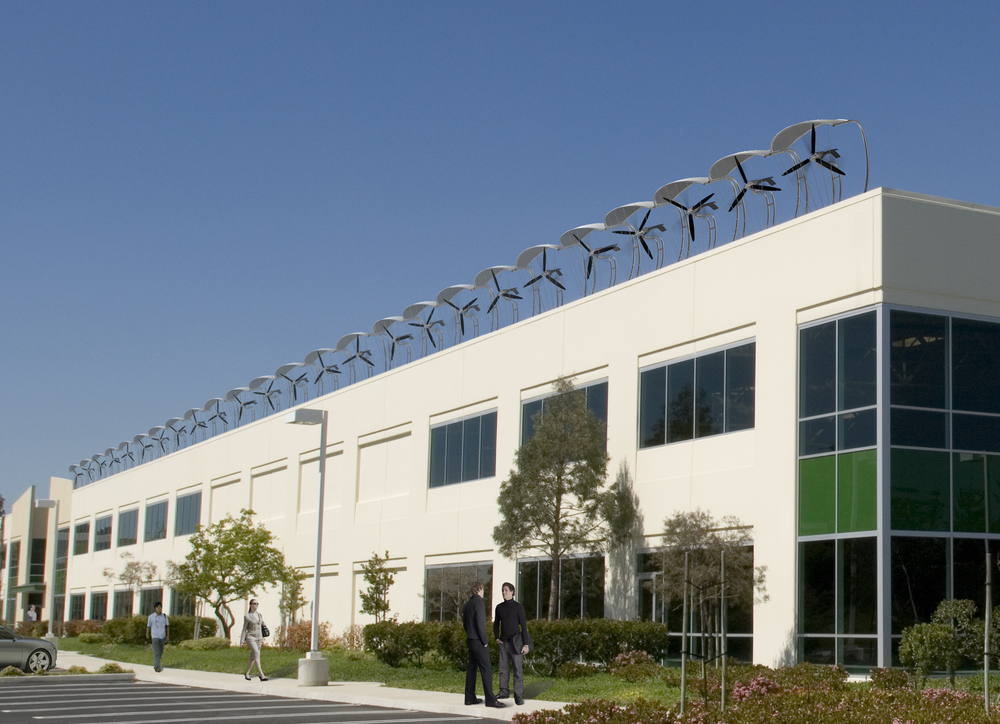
830	166
679	206
645	247
738	198
813	144
554	281
533	280
702	202
645	219
493	304
796	167
740	167
691	225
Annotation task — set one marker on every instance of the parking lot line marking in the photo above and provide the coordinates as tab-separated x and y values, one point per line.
397	720
145	699
292	704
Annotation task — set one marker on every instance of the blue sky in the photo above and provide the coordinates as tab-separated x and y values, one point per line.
192	194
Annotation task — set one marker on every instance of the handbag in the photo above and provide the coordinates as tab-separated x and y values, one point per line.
264	630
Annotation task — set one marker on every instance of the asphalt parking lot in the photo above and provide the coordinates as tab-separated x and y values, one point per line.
73	699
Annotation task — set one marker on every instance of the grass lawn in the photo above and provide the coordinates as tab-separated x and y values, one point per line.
437	675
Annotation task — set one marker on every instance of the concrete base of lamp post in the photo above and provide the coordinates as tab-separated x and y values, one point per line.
314	670
54	640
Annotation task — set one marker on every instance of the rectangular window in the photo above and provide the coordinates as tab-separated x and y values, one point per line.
156	521
128	528
188	516
857	488
13	570
36	571
81	538
181	605
976	493
102	533
447	588
77	604
918	359
919	579
148	598
817	495
99	606
581	586
920	490
975	350
464	450
708	395
597	402
123	604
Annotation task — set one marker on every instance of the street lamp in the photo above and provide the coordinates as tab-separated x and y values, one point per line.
53	545
313	669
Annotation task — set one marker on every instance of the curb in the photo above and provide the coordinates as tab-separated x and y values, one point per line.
63	678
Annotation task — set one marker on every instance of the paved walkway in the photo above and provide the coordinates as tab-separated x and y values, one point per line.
348	692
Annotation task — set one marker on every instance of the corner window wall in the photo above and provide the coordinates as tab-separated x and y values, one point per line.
838	491
710	394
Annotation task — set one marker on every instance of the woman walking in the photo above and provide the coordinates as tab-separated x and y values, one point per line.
252	636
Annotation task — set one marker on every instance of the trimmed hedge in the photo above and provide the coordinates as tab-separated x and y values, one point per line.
132	629
393	642
211	643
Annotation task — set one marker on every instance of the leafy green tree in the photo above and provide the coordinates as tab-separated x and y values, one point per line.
375	600
230	560
555	500
292	595
704	539
926	647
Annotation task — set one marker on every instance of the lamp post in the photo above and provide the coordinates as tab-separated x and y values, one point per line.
313	669
53	545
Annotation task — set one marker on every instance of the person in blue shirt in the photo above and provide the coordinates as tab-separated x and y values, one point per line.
158	631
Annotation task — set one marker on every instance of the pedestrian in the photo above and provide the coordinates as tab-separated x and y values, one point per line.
158	631
474	620
510	629
32	613
253	636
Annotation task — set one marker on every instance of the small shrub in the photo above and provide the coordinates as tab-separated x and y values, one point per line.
112	668
298	636
209	643
78	670
812	676
575	670
126	630
36	629
352	639
634	666
94	638
75	628
926	647
887	679
394	643
11	671
451	643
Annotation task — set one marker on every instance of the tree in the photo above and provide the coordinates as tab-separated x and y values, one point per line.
375	600
555	500
230	560
704	539
292	595
133	575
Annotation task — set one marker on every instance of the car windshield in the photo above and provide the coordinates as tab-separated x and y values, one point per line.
6	633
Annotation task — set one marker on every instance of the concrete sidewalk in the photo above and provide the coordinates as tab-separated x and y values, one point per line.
347	692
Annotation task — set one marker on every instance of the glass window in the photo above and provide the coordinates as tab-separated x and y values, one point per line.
858	586
975	432
81	538
596	396
817	495
818	436
123	604
102	533
857	429
653	407
680	401
976	493
62	557
975	350
741	373
818	369
581	587
919	571
919	428
188	516
447	588
818	573
857	362
36	567
527	580
148	599
99	606
917	359
463	450
920	490
857	487
128	527
156	521
969	570
710	394
181	605
77	602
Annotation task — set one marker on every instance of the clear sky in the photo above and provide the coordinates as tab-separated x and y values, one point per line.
194	193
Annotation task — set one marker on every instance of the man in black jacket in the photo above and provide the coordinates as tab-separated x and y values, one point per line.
474	620
510	628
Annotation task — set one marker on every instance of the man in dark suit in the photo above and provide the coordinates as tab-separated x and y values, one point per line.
474	620
510	628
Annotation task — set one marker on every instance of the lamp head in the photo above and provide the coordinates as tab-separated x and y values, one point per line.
305	416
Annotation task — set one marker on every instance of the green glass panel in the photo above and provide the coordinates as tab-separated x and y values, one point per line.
920	490
817	495
857	475
969	491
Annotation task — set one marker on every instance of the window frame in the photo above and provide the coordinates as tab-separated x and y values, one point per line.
181	514
462	443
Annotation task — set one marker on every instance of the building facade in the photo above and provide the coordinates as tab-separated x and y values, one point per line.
831	381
